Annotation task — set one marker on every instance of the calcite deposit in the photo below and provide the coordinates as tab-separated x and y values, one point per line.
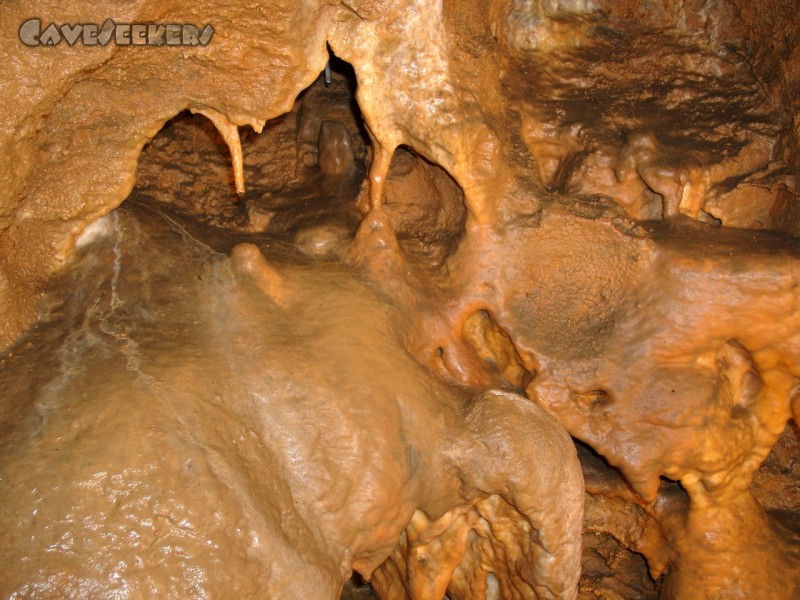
233	426
467	300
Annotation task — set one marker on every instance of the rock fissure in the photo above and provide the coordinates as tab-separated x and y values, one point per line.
470	236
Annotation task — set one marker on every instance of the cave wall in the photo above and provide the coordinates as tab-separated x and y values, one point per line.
76	118
572	162
261	59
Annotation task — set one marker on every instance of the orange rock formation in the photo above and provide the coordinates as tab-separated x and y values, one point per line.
348	325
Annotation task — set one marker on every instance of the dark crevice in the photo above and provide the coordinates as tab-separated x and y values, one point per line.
304	174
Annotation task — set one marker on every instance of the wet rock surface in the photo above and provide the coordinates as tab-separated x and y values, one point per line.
489	211
184	428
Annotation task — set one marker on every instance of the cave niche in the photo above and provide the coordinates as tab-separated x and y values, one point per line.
403	300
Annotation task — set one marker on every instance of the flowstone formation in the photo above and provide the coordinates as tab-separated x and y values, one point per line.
329	290
216	442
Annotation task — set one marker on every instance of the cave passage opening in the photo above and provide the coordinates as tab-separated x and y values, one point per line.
305	177
303	170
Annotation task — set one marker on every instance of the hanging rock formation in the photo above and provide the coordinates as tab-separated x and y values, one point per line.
491	222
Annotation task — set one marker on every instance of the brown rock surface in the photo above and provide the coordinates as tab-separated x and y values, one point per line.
185	429
590	202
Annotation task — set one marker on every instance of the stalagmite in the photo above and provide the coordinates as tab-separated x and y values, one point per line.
510	309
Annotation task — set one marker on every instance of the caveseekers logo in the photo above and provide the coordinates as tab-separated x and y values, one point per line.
120	34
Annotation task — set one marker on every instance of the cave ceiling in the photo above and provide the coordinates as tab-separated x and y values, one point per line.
414	299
